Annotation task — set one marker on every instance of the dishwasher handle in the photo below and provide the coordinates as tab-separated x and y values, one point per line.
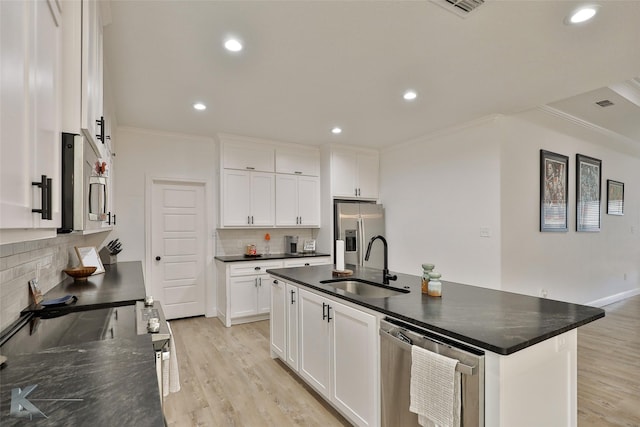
460	367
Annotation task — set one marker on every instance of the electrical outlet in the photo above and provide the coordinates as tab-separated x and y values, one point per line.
543	293
485	232
561	343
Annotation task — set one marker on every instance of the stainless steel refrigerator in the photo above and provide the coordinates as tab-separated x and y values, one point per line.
356	223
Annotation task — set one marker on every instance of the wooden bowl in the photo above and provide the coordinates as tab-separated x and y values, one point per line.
80	273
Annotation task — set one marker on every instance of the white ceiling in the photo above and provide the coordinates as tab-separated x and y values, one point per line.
310	65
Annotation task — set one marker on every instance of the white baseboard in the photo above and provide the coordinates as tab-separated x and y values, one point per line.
614	298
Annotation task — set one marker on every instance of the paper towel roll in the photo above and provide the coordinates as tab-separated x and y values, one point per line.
340	255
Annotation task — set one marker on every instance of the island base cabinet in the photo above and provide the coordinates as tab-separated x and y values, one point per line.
278	319
355	367
338	356
293	350
315	342
536	386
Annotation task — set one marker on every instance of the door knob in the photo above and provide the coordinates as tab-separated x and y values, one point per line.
158	258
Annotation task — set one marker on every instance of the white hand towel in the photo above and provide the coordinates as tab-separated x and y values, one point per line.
435	389
170	373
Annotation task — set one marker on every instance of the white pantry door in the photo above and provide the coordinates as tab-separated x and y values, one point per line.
178	238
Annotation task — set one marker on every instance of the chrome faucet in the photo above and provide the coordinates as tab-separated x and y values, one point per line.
385	272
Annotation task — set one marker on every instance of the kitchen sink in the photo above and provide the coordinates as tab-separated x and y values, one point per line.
364	288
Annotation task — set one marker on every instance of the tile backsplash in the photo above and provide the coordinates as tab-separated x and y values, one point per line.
233	242
44	259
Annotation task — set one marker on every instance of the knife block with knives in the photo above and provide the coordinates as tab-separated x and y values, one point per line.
108	254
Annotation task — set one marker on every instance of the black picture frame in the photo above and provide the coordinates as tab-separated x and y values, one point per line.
554	191
615	197
588	193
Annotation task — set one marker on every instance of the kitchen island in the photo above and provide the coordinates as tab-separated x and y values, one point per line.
530	343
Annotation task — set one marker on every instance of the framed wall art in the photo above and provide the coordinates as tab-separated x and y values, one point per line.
615	197
554	175
588	182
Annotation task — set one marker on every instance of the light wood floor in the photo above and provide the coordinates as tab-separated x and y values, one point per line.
229	379
609	367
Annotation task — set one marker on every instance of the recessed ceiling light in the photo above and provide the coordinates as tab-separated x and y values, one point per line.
199	106
582	15
410	95
336	130
233	45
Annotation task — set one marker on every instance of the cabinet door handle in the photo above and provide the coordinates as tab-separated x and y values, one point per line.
45	187
248	219
251	168
329	314
255	282
324	306
356	191
298	172
109	218
260	281
275	282
114	219
257	268
306	264
100	124
292	294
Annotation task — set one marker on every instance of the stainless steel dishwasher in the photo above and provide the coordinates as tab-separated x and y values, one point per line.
396	339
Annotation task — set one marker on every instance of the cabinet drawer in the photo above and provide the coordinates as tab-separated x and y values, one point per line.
249	268
302	262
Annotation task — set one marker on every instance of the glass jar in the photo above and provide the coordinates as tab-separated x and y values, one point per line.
434	288
426	269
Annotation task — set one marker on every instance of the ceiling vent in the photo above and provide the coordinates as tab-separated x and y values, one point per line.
461	8
605	103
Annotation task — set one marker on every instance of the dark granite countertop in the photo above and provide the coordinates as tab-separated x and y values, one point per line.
101	383
121	284
498	321
237	258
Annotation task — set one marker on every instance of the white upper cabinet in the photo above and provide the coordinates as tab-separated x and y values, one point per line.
298	161
246	154
251	195
92	73
297	201
83	79
30	105
247	199
354	173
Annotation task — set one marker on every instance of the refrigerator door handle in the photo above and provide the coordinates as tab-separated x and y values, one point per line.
361	241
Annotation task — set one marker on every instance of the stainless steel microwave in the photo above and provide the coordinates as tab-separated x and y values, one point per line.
84	195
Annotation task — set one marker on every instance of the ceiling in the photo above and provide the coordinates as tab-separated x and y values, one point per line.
307	66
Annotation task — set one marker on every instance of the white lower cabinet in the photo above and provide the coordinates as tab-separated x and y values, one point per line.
244	291
292	348
284	322
338	355
278	320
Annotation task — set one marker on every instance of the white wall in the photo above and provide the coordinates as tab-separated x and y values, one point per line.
438	192
577	267
143	154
